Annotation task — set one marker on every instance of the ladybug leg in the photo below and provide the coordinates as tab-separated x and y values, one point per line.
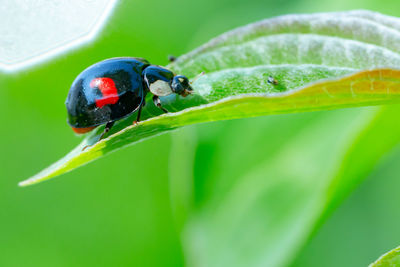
139	113
109	125
106	130
157	103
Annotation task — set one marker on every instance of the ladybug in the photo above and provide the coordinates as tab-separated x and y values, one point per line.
114	88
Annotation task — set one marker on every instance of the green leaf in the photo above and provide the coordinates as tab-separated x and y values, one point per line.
392	258
261	204
258	212
377	139
320	61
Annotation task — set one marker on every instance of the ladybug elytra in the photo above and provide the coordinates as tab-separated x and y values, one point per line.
114	88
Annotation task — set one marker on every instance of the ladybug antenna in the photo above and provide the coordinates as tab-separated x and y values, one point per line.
197	77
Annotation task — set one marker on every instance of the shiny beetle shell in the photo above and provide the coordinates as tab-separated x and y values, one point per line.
106	91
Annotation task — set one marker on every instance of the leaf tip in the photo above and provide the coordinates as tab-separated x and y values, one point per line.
26	183
32	180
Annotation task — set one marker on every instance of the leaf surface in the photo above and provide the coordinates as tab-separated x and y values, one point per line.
320	61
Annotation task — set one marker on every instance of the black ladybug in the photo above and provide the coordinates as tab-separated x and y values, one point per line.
114	88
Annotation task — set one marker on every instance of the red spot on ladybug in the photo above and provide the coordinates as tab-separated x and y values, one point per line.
108	89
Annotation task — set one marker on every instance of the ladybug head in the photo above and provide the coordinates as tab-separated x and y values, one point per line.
181	86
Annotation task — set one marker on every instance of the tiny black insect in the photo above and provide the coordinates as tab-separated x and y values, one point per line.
114	88
272	80
172	58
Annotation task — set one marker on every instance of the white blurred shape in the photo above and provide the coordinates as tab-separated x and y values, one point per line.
35	30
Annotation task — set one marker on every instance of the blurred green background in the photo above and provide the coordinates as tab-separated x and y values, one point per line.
149	204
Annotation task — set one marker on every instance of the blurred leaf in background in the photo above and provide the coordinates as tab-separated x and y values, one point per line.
249	192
